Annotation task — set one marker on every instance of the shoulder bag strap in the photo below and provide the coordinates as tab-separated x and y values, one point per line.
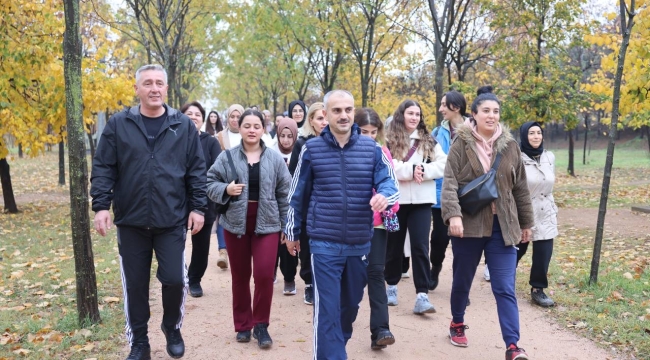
497	161
412	151
232	167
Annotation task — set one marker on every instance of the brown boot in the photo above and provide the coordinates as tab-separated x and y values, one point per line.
223	259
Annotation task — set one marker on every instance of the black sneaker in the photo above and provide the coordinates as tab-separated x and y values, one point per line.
435	272
196	290
540	298
140	351
244	336
383	339
309	295
175	343
261	333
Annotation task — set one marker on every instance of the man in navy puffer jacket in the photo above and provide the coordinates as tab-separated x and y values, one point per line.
339	184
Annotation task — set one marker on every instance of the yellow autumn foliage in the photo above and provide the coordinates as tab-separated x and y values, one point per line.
32	96
635	86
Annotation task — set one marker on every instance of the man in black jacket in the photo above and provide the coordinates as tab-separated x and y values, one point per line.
150	166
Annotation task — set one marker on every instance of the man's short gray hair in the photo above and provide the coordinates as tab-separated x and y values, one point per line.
148	67
337	92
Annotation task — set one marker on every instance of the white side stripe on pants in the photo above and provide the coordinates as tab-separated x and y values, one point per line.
316	305
127	327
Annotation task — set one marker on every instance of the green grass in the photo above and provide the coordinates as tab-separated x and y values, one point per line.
625	157
37	288
616	311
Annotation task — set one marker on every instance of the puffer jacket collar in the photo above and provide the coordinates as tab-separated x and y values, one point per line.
329	137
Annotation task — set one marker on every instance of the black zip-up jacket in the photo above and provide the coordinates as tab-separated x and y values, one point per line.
211	150
151	184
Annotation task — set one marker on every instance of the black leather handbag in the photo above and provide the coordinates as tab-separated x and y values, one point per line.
481	191
222	208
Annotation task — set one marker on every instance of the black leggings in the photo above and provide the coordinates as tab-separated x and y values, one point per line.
542	252
439	238
200	251
417	219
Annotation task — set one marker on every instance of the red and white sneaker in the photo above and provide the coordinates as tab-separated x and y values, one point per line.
516	353
457	334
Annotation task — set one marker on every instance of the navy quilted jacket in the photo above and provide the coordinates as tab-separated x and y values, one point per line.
338	183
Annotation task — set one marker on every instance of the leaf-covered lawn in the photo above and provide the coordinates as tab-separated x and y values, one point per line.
37	289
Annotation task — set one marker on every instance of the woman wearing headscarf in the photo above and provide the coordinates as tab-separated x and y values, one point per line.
287	135
298	112
231	137
540	176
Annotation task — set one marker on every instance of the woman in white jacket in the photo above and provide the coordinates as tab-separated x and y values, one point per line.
540	175
418	161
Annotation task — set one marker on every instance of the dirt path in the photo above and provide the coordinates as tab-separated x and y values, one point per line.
209	334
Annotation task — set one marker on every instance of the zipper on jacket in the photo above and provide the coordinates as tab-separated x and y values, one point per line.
345	195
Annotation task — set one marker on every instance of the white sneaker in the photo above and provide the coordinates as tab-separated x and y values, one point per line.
422	305
486	273
405	275
391	294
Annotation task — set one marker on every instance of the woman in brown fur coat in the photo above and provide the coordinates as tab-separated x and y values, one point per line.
496	229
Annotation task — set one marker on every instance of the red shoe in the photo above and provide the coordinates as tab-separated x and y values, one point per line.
516	353
457	334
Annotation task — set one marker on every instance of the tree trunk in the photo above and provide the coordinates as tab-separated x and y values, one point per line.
584	147
20	151
61	163
613	132
86	283
647	132
439	79
570	169
7	189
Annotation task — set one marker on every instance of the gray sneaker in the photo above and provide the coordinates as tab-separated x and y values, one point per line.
422	305
391	293
540	298
289	288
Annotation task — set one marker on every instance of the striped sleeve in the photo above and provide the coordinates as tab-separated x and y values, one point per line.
298	193
385	182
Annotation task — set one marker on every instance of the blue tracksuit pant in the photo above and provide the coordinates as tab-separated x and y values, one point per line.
338	290
502	261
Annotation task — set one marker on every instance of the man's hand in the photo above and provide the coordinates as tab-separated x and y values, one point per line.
195	222
378	203
293	247
102	222
283	238
526	235
456	226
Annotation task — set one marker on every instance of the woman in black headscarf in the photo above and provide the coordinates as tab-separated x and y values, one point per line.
298	112
540	175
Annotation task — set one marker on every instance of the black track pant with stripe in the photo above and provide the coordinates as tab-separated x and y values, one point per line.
136	247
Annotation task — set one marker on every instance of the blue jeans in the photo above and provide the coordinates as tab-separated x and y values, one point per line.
221	240
338	289
502	261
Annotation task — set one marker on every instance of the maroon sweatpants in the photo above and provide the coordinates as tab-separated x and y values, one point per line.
263	249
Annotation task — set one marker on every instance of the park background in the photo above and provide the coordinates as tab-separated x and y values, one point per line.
552	61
